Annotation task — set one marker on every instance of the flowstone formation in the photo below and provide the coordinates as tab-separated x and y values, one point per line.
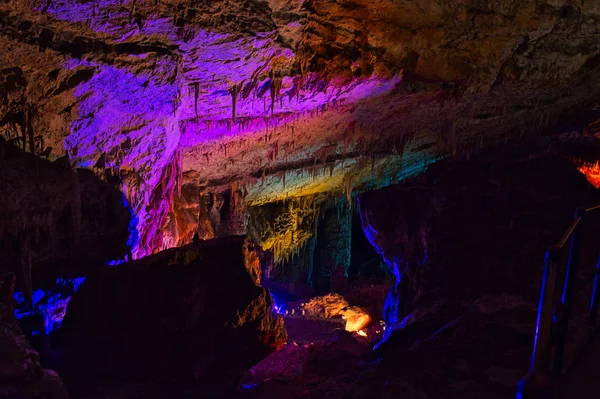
180	100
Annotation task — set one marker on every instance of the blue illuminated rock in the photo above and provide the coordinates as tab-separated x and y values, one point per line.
21	376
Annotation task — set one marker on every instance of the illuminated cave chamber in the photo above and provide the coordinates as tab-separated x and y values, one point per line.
318	249
311	245
163	162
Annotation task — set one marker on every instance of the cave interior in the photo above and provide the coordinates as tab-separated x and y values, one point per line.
299	199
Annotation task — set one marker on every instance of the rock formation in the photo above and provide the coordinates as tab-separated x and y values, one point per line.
21	375
194	318
333	306
53	214
451	235
285	98
219	118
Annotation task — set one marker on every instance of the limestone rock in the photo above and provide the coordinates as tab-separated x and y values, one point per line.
194	315
21	375
287	98
53	215
334	305
468	229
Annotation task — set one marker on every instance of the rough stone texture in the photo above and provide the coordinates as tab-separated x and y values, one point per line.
194	318
333	306
287	230
481	354
332	250
289	98
468	229
471	308
205	214
21	376
53	214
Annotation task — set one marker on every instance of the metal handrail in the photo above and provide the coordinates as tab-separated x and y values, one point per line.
549	335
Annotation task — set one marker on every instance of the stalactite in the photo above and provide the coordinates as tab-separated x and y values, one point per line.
234	91
372	162
275	88
196	86
348	187
132	10
179	179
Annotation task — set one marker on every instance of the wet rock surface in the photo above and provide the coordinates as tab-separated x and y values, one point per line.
207	114
191	319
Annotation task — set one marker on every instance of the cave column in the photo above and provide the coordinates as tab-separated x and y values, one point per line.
332	251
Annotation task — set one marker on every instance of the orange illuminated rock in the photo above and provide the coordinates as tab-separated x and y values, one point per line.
592	173
334	305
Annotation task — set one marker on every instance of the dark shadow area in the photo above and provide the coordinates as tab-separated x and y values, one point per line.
57	224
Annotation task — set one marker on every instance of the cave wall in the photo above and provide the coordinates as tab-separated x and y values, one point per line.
56	216
283	95
333	249
464	230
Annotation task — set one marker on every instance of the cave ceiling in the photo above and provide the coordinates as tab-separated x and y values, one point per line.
284	98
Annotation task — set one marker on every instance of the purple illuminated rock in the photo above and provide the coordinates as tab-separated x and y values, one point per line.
279	92
194	316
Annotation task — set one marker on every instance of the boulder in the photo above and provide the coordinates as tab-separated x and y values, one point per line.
194	316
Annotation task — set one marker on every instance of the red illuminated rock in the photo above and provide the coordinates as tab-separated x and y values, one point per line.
194	316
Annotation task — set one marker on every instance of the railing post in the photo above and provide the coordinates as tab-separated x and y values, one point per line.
534	386
568	292
595	295
543	328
